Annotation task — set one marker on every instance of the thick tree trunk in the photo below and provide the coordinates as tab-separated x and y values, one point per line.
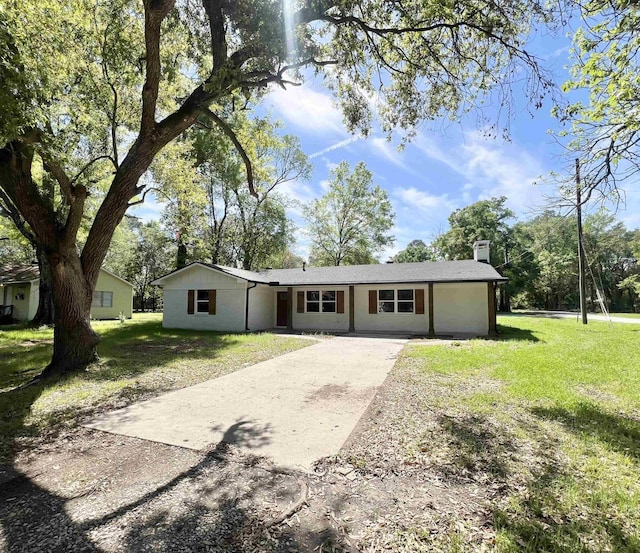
181	256
74	341
46	310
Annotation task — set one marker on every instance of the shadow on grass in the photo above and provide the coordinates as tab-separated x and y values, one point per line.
541	523
619	433
543	505
556	512
195	510
129	351
508	333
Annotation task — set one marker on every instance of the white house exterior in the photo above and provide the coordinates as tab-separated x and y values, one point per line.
20	294
435	298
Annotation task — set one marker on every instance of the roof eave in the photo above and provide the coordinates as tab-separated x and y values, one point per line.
373	283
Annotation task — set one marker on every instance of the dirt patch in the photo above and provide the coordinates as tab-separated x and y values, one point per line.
32	343
337	392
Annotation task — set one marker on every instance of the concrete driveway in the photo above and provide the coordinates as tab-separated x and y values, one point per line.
295	408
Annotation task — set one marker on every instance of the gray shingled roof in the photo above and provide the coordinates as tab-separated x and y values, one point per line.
15	274
251	276
437	271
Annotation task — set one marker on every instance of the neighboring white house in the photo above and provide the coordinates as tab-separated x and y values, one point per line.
434	298
20	293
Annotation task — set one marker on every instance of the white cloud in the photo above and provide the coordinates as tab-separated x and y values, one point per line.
423	200
491	168
307	109
336	146
383	147
150	210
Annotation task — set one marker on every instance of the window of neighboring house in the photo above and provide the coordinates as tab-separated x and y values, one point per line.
202	301
395	301
320	301
102	299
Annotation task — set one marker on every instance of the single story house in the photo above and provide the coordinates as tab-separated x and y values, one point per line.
432	298
20	293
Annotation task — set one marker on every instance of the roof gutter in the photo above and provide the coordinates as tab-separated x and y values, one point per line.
246	307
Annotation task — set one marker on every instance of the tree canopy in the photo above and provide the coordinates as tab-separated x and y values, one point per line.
416	251
605	130
97	90
350	224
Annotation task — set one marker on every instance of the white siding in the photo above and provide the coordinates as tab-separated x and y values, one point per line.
321	321
261	307
21	307
34	299
389	322
461	308
230	298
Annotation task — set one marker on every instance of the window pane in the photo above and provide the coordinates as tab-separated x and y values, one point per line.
386	307
329	295
107	299
203	307
313	295
329	306
405	307
203	295
96	301
313	307
405	295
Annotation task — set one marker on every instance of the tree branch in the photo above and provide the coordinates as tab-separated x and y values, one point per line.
90	163
232	136
154	12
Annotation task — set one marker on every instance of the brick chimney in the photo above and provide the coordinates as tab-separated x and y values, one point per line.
481	251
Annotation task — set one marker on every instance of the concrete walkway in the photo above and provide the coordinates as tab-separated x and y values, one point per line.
295	408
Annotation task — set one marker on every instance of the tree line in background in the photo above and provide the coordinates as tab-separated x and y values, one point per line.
539	256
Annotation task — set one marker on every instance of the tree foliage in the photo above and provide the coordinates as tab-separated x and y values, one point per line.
98	89
350	224
483	220
416	251
605	130
211	208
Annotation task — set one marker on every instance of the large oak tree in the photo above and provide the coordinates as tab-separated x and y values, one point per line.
97	89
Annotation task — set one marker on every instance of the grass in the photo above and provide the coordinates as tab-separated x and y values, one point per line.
550	416
626	315
138	359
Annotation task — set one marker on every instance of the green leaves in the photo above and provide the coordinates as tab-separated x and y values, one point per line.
605	65
350	225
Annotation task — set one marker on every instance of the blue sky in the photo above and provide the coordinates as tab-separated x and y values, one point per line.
447	166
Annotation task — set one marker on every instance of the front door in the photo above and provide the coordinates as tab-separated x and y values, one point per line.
282	309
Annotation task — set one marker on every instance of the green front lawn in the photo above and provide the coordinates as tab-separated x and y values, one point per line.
530	442
139	359
541	428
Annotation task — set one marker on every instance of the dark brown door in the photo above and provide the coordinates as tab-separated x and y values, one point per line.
281	309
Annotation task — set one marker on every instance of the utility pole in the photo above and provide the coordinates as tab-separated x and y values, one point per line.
581	260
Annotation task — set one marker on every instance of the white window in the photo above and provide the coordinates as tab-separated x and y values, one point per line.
395	301
102	299
320	301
